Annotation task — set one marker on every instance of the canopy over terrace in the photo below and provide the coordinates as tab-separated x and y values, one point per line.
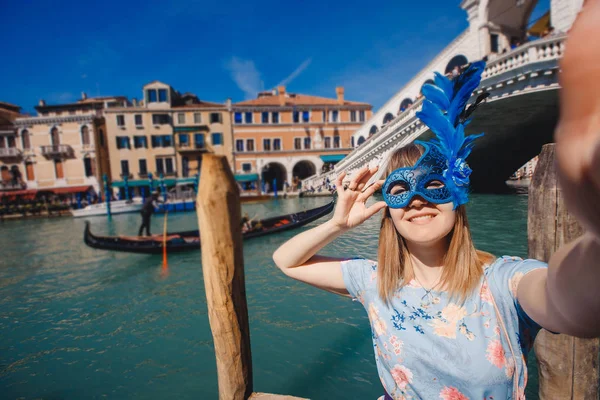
29	194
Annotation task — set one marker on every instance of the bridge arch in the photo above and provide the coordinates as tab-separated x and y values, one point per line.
405	104
387	118
373	130
361	140
456	61
271	171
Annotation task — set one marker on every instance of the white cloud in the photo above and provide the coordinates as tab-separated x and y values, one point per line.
296	72
246	76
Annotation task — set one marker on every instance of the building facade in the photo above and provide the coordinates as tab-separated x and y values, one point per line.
285	137
63	149
166	134
11	165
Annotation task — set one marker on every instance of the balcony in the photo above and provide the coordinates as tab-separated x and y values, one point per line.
60	150
11	152
9	185
198	147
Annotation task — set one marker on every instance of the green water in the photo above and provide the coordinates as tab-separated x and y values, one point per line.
82	323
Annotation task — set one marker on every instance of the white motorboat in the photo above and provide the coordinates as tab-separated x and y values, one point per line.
116	207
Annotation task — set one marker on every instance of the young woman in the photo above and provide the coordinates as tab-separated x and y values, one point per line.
449	321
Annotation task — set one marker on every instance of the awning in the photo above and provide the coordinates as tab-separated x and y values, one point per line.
70	189
540	26
333	157
26	193
143	183
246	177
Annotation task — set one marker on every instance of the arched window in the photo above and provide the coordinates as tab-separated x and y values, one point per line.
54	136
372	131
85	135
405	104
428	81
387	118
25	141
361	140
455	63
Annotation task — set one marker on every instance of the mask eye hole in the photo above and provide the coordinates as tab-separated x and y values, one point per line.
398	188
434	184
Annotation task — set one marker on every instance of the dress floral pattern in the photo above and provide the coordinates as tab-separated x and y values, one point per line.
429	347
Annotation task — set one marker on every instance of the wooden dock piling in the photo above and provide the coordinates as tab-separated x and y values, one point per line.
568	366
219	216
219	220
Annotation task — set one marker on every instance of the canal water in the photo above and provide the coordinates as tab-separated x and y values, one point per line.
82	323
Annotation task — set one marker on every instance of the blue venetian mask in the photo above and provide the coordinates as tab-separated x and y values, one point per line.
425	179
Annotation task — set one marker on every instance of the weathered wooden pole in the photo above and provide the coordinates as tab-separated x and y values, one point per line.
219	216
568	366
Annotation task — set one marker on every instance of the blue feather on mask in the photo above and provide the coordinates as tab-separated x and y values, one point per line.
443	111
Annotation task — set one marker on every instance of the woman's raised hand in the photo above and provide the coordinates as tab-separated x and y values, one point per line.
578	131
351	209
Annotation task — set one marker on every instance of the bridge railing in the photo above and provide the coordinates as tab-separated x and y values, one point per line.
550	48
547	49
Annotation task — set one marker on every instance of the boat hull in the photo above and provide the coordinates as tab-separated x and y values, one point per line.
116	207
190	240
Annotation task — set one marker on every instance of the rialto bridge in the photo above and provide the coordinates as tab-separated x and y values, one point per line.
517	118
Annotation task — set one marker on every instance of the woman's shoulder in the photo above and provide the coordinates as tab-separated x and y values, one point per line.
360	274
361	262
505	272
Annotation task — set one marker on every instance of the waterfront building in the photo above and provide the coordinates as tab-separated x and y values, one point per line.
10	154
63	149
165	134
282	137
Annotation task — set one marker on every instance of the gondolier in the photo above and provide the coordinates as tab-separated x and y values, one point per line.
147	210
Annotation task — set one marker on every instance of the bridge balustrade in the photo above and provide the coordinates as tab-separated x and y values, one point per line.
405	127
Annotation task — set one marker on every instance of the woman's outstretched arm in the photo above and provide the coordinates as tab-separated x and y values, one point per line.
566	297
298	257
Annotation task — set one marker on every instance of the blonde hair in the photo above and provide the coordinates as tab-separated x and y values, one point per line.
463	264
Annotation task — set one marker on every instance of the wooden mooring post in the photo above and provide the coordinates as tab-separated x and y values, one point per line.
219	220
568	366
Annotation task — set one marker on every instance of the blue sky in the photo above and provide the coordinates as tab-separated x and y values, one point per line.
220	49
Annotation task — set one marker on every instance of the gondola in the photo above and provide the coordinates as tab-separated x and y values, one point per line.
190	240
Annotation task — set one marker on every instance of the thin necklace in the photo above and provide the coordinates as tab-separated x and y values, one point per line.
428	292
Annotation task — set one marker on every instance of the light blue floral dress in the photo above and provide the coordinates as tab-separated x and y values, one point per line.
427	347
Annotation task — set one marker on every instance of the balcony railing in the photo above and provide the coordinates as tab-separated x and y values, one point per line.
10	152
9	185
192	147
57	150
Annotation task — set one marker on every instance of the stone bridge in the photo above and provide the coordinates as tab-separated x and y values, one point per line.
518	117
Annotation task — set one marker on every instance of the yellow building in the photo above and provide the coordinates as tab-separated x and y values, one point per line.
284	137
165	134
63	148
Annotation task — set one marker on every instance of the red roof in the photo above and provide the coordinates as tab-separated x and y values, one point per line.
291	99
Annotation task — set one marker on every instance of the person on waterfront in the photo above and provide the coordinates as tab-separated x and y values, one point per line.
147	210
449	321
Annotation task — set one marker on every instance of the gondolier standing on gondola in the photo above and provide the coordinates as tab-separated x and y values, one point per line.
147	209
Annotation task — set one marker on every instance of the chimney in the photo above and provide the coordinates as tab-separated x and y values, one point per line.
134	102
228	104
42	103
340	94
281	90
83	96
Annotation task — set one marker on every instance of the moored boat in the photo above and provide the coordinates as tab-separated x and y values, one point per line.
116	207
190	240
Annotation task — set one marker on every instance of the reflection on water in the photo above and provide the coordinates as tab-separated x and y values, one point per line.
81	323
